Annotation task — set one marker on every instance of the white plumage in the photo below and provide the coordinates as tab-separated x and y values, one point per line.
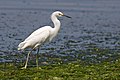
37	38
41	35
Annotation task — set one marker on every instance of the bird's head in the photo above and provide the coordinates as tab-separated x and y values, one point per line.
59	14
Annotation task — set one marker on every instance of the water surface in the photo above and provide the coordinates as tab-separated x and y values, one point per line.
94	23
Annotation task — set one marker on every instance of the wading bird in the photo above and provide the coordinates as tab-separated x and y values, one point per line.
41	35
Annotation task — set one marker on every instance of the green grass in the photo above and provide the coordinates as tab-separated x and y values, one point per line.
92	64
77	70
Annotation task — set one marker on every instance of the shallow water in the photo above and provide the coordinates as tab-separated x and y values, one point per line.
94	23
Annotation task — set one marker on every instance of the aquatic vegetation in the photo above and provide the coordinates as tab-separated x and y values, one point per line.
70	71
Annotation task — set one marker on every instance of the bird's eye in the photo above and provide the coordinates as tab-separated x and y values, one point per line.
59	14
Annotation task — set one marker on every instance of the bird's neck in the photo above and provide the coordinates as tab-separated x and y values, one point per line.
56	23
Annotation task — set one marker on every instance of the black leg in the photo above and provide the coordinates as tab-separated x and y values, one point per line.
37	57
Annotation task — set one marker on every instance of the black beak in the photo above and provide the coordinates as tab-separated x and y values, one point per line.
67	16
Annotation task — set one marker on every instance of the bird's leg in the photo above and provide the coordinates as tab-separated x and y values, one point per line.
27	60
37	57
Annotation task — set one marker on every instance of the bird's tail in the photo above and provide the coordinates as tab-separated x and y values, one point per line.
21	45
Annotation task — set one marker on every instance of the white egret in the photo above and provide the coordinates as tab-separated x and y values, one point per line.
41	35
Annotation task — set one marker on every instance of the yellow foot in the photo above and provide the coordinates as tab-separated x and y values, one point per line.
23	68
38	67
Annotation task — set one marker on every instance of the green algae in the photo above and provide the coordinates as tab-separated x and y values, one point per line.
77	70
90	64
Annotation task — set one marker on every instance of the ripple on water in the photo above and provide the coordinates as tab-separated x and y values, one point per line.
89	29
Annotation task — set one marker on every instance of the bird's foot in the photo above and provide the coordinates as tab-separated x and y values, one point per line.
23	68
38	67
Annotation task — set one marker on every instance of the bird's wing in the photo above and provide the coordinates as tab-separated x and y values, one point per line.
39	39
35	39
38	32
